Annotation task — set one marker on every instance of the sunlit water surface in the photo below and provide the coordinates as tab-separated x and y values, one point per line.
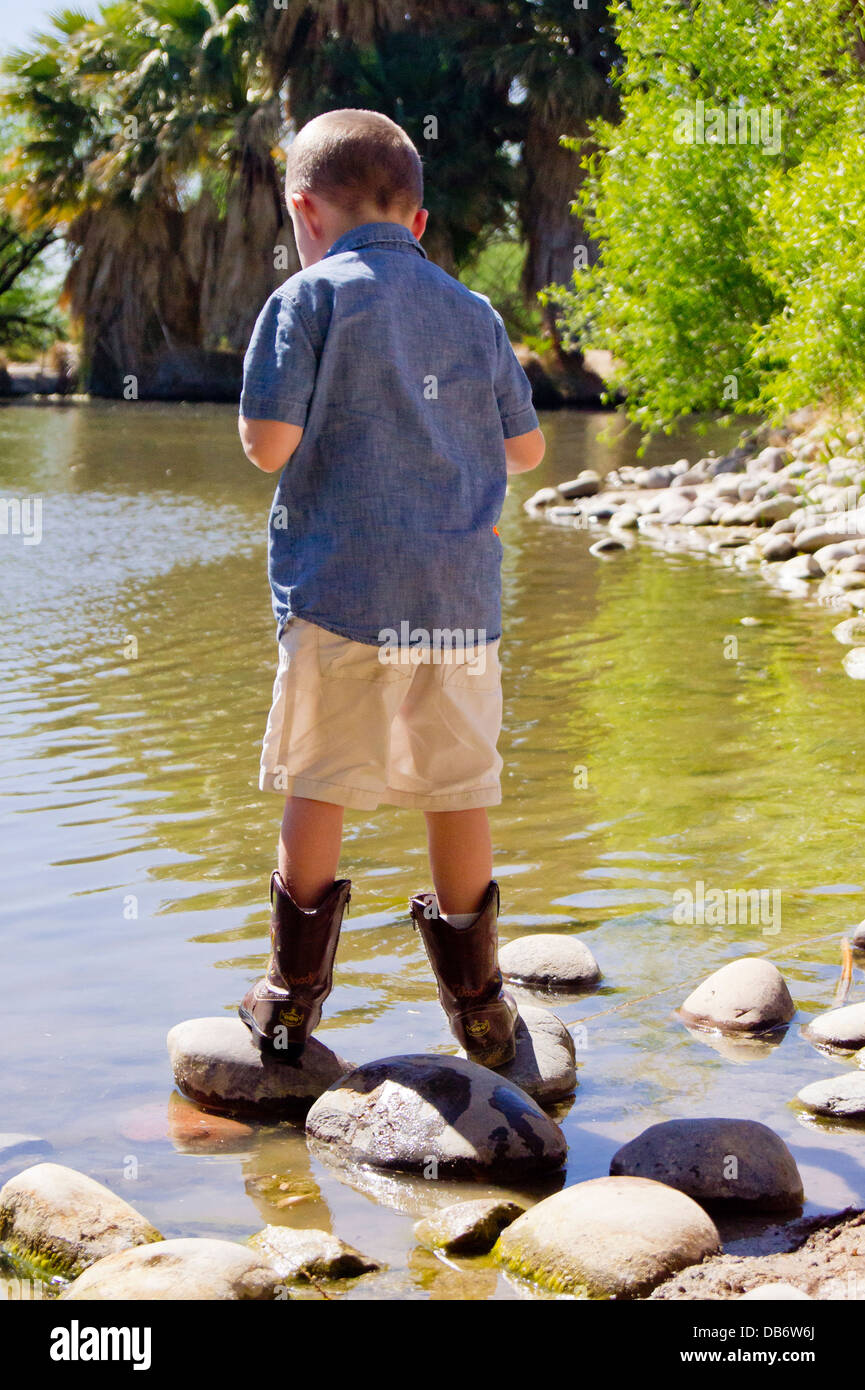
138	652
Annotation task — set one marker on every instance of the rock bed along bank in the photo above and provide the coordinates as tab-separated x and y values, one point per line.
793	511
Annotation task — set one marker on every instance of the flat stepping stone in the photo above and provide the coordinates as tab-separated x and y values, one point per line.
216	1064
547	961
296	1254
608	1238
839	1030
544	1063
745	996
440	1116
61	1221
182	1270
467	1228
733	1165
842	1097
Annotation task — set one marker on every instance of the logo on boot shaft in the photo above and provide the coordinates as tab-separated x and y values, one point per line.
479	1028
292	1017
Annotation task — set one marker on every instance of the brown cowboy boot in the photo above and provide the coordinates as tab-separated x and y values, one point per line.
282	1009
482	1015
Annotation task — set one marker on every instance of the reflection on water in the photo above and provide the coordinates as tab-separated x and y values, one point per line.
137	665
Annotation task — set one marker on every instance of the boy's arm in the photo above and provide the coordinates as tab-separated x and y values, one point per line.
525	451
279	372
269	444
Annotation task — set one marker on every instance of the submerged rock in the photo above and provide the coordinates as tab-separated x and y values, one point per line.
840	1030
442	1116
14	1146
467	1228
731	1164
745	996
544	1064
216	1064
296	1253
842	1097
608	1238
606	546
62	1221
549	961
179	1270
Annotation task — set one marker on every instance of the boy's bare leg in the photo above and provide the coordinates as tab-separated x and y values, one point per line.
309	846
461	858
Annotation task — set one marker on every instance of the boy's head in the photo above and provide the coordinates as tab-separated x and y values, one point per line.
349	167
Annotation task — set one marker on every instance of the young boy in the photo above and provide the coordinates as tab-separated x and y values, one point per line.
395	395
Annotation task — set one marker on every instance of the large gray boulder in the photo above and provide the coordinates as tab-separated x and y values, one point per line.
60	1221
608	1238
544	1064
441	1116
467	1228
548	961
841	1097
216	1064
839	1030
728	1164
294	1254
179	1270
745	996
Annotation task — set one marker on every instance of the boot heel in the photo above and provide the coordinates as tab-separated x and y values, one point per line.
274	1038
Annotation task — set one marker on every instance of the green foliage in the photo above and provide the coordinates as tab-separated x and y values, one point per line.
497	271
29	321
729	266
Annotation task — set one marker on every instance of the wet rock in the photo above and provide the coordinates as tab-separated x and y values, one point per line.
851	564
699	515
544	1064
774	1293
467	1228
854	663
842	1097
774	509
437	1115
606	545
178	1270
14	1146
296	1253
601	509
839	1030
625	519
736	1165
851	631
778	548
544	497
828	556
857	937
586	484
549	961
745	996
61	1221
813	538
608	1238
215	1064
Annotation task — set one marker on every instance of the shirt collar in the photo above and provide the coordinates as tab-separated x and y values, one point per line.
389	234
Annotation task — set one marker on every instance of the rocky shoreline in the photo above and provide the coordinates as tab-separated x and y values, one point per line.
786	504
651	1227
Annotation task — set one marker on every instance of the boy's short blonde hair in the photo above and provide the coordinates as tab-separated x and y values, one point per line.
356	159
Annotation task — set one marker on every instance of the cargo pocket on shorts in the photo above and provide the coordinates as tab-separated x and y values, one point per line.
477	669
339	658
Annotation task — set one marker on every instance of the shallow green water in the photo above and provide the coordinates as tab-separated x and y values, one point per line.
131	785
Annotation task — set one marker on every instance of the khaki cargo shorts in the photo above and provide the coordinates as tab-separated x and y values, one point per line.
349	728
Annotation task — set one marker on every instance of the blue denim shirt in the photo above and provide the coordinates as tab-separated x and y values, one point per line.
406	387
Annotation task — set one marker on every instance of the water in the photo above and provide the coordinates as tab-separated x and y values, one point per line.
129	786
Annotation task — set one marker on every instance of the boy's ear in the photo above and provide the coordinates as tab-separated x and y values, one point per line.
305	207
419	221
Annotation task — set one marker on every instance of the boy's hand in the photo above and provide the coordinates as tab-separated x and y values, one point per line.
525	451
269	444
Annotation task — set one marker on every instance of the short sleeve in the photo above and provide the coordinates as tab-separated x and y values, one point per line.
512	387
280	365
